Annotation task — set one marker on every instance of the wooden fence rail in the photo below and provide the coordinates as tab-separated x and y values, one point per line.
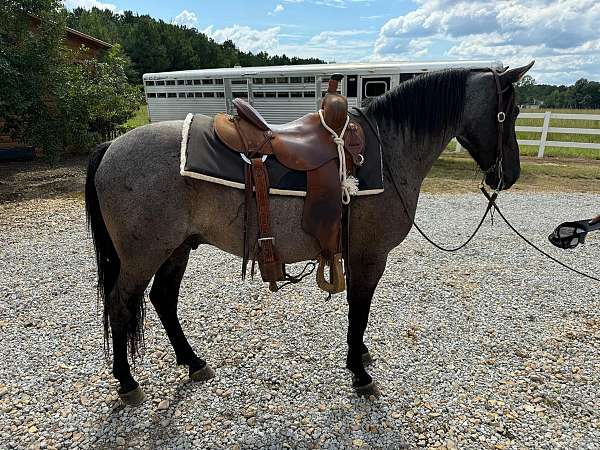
543	142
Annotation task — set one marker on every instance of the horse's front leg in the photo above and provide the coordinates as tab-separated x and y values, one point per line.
362	282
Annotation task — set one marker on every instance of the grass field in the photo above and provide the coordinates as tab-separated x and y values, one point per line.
563	152
454	173
140	118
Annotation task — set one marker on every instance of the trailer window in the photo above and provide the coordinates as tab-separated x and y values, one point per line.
257	80
180	82
219	81
352	86
258	94
197	82
198	94
162	95
190	95
270	94
375	88
182	95
209	94
283	94
269	80
151	95
309	79
240	95
160	83
295	80
207	81
238	81
172	94
170	82
149	83
220	94
282	80
296	94
309	94
325	79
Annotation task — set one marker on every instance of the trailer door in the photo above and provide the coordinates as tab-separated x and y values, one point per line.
373	87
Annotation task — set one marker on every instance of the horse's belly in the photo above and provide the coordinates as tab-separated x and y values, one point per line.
218	218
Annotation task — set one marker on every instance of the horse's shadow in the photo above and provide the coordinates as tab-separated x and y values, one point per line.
157	431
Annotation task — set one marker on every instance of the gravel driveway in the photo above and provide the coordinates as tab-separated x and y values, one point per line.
494	347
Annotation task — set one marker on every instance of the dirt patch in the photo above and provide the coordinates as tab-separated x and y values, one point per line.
24	180
451	174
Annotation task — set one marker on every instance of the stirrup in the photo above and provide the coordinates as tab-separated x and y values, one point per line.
337	281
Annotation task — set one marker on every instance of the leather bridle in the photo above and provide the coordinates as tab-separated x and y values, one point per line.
503	105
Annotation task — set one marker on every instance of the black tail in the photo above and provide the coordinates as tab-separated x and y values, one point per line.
107	259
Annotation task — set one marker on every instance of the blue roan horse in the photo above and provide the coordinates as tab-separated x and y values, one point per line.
146	218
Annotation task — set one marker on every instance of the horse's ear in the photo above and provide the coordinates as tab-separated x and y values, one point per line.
514	75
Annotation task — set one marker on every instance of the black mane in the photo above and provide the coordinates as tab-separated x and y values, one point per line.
425	104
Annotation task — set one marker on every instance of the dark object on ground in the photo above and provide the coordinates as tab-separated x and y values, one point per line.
571	234
17	154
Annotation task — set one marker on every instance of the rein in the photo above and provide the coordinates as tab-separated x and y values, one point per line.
491	206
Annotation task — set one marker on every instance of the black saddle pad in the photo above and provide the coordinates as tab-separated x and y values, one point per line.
205	157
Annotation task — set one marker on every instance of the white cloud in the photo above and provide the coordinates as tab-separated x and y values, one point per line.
186	18
277	10
339	3
247	39
89	4
506	29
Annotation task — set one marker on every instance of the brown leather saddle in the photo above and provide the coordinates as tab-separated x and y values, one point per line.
303	145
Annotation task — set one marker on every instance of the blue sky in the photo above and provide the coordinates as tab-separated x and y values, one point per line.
563	36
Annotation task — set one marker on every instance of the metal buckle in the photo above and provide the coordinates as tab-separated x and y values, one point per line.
247	161
266	239
501	117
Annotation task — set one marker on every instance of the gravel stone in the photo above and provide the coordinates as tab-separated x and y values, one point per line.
493	347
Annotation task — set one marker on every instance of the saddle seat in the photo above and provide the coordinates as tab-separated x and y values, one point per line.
303	144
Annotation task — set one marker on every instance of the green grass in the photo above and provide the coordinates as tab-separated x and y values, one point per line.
459	173
140	118
562	152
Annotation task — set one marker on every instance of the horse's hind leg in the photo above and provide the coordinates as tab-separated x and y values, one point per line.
164	296
125	316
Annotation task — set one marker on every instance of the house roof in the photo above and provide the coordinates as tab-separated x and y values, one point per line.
86	37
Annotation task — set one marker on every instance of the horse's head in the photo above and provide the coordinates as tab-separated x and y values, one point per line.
487	130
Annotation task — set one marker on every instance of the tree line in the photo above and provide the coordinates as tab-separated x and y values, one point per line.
156	46
583	94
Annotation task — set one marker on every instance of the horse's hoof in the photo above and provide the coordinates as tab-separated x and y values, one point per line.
134	397
367	390
204	374
366	359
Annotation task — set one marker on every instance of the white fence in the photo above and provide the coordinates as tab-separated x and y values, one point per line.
543	142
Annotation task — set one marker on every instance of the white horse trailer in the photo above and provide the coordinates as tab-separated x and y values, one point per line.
279	93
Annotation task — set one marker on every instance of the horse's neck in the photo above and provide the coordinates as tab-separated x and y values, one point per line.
411	160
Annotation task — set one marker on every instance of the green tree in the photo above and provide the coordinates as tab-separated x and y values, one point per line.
30	65
53	98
